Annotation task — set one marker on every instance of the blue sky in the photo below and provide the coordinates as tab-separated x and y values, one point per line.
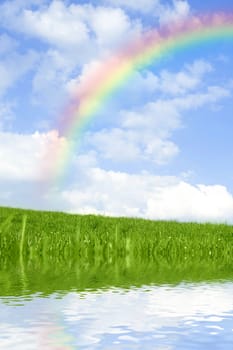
160	148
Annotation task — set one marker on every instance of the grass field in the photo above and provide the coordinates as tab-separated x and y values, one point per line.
48	251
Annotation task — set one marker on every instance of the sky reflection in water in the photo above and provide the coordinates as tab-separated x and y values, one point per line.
185	316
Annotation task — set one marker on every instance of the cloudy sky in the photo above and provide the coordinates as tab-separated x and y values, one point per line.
160	148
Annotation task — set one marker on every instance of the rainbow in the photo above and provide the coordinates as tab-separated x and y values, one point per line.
111	74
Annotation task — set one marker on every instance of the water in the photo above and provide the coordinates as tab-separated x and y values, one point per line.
129	300
181	316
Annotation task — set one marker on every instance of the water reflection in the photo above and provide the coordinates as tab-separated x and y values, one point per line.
186	316
109	301
49	274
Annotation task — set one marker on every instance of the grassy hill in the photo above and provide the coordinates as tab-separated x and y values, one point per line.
48	251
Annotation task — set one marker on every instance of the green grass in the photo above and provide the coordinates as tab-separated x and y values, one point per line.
48	251
31	233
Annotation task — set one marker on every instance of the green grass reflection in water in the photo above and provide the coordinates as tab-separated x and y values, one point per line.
54	252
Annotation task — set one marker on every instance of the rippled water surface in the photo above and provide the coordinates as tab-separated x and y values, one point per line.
184	316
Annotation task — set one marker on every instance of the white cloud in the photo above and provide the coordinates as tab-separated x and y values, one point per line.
213	95
163	10
179	10
54	23
186	202
57	24
187	79
165	115
112	26
71	26
119	145
115	144
10	72
143	5
21	155
160	151
145	134
149	196
159	118
95	190
53	71
114	193
74	35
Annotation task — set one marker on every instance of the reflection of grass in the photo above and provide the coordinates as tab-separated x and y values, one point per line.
61	251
